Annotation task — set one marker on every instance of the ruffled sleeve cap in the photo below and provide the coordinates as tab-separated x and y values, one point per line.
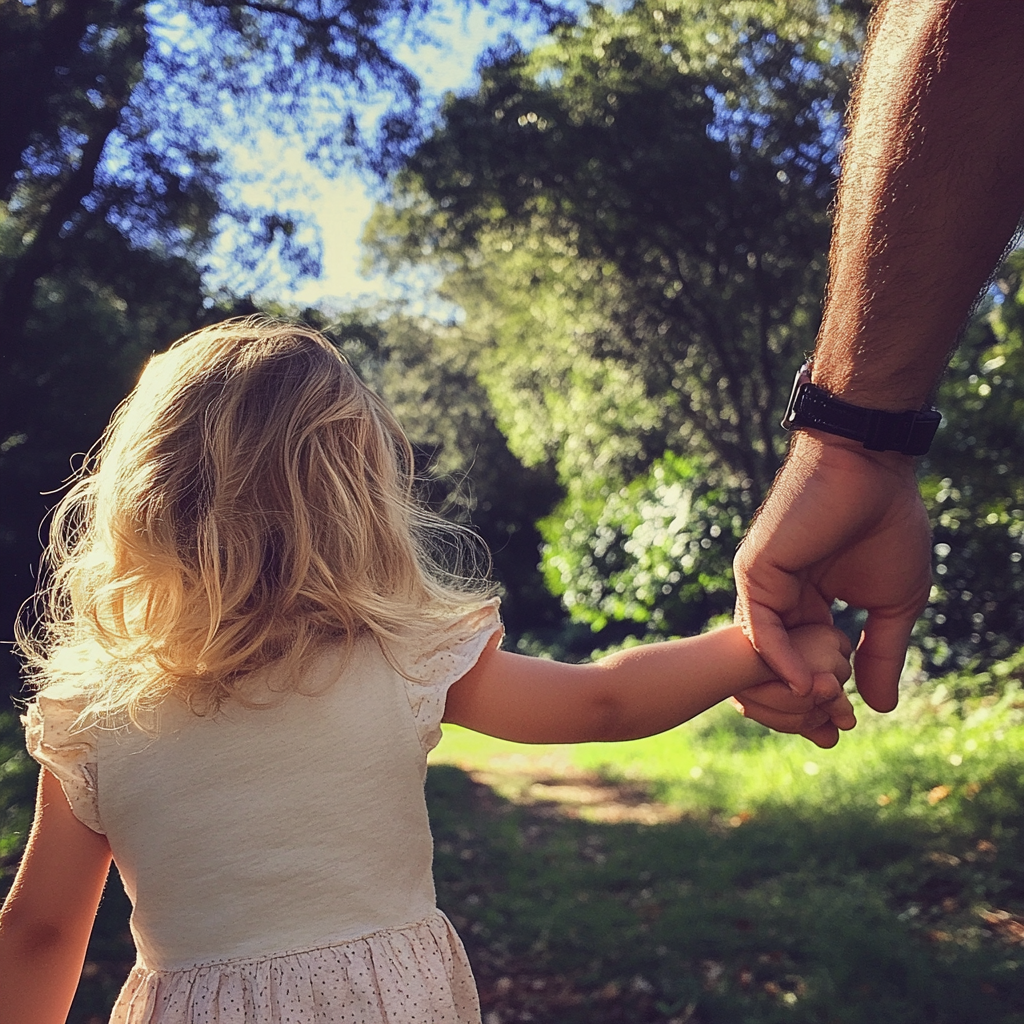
68	752
433	671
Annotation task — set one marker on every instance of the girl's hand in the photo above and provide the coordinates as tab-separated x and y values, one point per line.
645	690
825	649
820	714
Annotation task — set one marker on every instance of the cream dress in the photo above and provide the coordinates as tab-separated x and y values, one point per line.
278	859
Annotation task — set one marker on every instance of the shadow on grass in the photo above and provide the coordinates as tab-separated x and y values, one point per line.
832	919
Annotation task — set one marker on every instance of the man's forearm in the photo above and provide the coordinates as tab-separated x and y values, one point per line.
931	192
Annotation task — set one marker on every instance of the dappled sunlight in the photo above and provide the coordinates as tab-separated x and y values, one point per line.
583	795
719	872
720	917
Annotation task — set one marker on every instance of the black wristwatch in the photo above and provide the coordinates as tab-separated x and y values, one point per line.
909	432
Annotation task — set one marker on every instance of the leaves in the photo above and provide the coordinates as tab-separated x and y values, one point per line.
656	553
974	487
633	219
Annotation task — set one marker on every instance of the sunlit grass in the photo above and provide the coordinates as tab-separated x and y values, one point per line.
881	881
934	757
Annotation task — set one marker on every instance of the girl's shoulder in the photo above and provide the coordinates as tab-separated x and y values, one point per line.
57	738
452	645
432	664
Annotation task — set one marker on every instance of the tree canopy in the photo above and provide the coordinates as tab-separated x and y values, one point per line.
647	196
634	219
115	111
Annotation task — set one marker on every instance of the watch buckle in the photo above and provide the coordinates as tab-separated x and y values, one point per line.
803	376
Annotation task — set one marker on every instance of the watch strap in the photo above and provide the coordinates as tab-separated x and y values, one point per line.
909	432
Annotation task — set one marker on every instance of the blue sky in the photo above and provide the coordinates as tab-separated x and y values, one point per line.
341	205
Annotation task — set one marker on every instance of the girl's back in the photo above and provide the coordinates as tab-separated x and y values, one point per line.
243	659
278	858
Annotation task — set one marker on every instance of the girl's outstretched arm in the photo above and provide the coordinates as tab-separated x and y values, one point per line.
47	918
632	693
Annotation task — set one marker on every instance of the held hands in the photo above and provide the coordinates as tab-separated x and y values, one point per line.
826	653
840	522
819	714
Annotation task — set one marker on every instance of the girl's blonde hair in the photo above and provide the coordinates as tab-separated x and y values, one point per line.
250	501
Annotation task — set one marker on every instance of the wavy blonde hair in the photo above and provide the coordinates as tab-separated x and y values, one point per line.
250	501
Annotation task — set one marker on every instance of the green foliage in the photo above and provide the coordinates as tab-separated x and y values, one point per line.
656	552
973	482
465	469
634	219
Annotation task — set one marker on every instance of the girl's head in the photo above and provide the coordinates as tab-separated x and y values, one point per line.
250	500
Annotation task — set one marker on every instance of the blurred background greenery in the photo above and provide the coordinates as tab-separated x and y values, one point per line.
625	227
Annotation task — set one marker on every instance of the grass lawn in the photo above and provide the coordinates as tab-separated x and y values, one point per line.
717	873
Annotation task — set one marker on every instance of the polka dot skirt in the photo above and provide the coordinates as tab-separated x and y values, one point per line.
413	975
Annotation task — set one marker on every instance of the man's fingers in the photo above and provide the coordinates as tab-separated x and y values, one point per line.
878	661
826	735
765	631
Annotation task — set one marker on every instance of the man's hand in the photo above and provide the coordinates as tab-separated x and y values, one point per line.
930	194
840	522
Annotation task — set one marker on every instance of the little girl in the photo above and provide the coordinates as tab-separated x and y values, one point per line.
246	648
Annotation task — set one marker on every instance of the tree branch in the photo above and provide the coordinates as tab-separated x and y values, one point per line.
42	254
